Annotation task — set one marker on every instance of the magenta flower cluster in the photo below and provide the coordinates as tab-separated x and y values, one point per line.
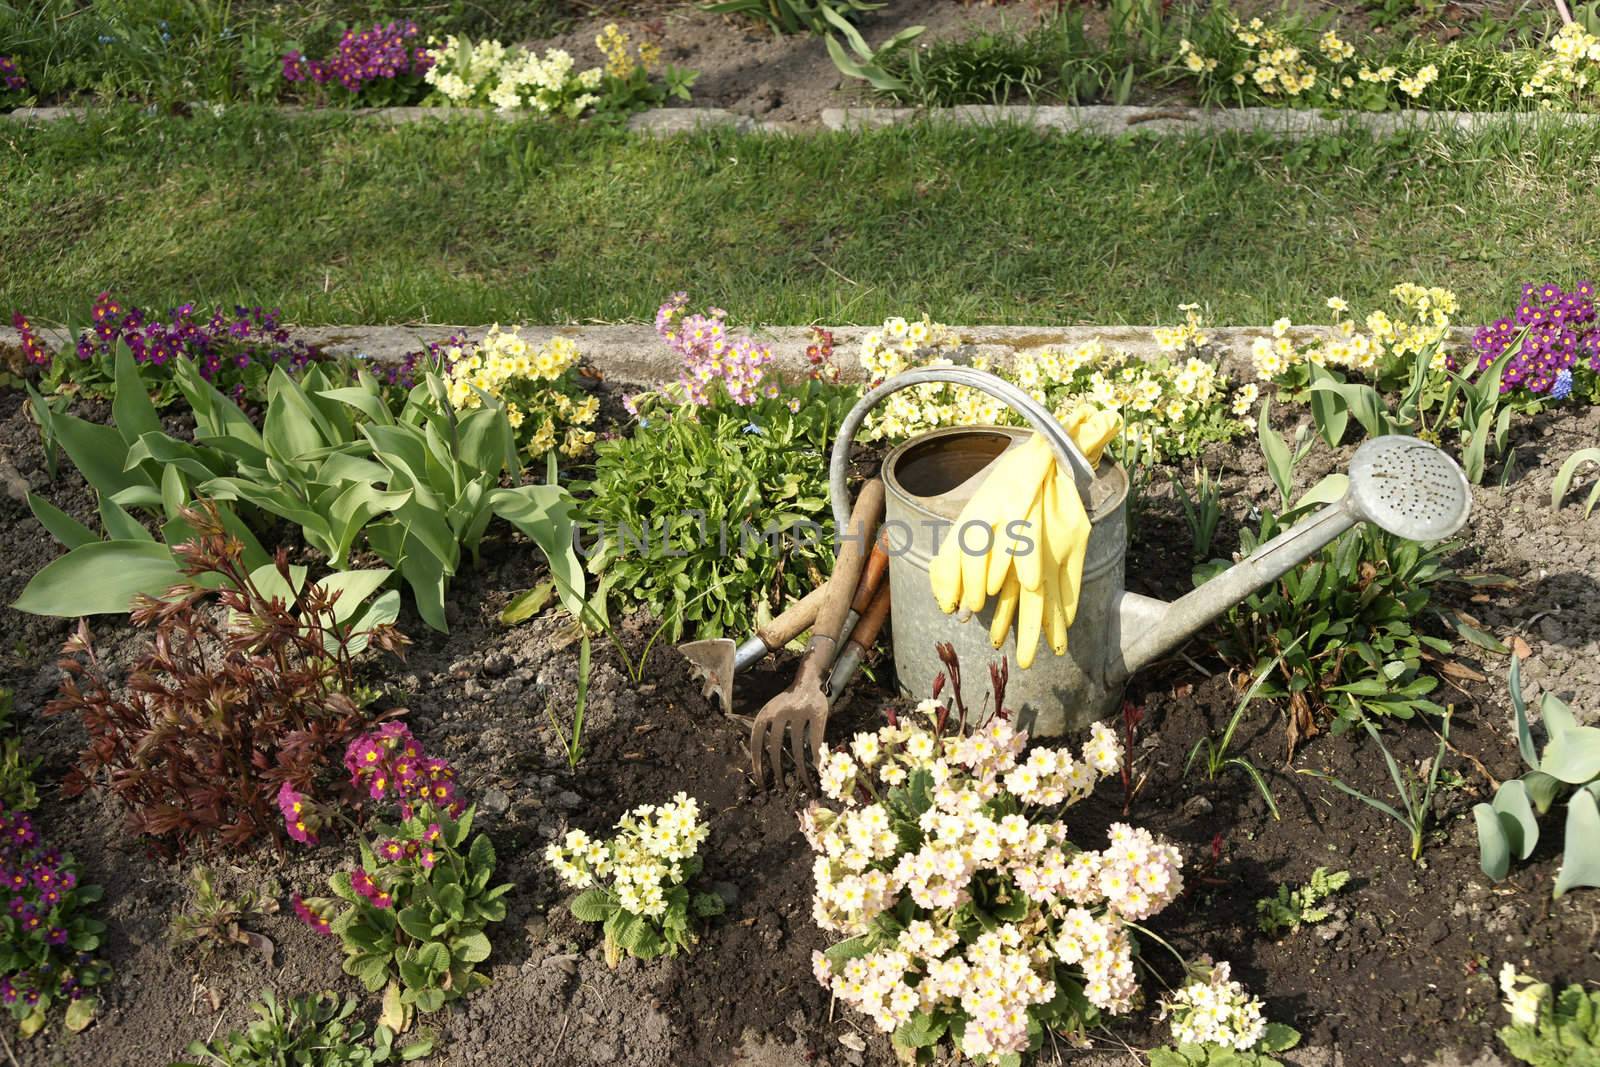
11	75
711	357
387	764
1551	331
317	914
226	348
381	53
47	944
409	370
390	765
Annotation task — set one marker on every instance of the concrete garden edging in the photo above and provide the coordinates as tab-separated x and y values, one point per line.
634	354
1102	120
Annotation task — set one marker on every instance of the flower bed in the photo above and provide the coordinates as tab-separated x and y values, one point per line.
963	887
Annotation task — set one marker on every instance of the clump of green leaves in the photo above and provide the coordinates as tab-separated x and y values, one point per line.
1563	1030
330	457
1291	909
706	515
1217	1056
17	791
1413	790
312	1029
1346	623
1419	399
212	920
1564	477
1508	826
792	16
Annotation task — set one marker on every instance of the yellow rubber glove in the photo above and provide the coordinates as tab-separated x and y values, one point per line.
1092	429
1036	587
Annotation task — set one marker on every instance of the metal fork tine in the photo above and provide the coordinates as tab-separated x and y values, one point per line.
775	751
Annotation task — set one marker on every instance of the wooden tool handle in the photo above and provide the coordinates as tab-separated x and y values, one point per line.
852	557
872	577
796	620
866	631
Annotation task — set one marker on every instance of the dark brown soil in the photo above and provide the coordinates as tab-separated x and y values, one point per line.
1403	970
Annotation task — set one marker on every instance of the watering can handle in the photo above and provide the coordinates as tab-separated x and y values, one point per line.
1037	416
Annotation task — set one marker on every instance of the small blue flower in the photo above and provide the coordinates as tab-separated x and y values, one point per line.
1563	385
751	427
106	38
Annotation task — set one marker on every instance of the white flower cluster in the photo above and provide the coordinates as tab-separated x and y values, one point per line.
1523	995
641	862
987	832
1213	1009
511	78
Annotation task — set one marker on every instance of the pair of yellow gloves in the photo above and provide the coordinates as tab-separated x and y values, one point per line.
1038	532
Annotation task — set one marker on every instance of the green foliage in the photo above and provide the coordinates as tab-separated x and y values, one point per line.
1346	622
1565	1034
572	741
1569	470
211	920
647	937
731	501
792	16
330	457
17	791
1508	827
1202	510
311	1029
420	926
1294	908
1216	749
1428	403
1414	792
1278	1038
863	61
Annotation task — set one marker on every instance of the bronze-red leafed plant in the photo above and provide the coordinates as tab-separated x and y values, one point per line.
243	688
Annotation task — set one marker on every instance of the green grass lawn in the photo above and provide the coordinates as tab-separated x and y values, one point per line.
338	220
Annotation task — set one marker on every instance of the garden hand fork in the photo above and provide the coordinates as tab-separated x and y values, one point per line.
802	709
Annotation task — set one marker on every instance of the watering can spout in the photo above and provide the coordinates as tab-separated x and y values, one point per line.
1405	486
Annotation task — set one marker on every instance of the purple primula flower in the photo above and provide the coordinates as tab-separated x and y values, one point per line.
1551	331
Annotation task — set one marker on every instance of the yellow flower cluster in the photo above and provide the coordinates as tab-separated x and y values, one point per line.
1414	85
613	43
1268	59
1194	61
1570	69
641	862
535	382
1276	65
1424	321
1162	403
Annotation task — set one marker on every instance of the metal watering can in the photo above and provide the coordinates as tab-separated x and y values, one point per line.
1405	486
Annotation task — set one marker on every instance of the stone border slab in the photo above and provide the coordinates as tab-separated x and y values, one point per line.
1098	120
1280	122
633	353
